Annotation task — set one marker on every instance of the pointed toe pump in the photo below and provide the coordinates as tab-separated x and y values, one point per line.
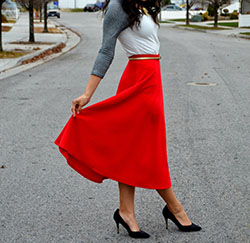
186	228
134	234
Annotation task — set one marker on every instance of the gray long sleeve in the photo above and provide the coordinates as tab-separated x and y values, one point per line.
115	20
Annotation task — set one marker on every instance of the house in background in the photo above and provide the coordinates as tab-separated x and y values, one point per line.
231	7
244	15
74	3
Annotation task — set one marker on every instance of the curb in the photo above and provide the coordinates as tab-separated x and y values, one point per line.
37	53
72	39
189	28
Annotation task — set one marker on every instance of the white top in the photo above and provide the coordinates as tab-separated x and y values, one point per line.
143	40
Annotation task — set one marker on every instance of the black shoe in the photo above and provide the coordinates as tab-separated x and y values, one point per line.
134	234
187	228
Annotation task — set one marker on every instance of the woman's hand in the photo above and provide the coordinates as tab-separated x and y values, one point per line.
84	99
78	103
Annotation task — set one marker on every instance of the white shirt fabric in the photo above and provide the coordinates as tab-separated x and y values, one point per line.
143	40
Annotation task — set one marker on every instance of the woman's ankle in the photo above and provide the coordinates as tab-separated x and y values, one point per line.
176	208
127	214
130	219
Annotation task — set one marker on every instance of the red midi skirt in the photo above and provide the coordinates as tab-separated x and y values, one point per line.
123	137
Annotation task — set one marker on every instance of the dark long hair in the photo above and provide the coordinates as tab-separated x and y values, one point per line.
131	8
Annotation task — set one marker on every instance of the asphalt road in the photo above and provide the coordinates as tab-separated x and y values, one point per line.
208	134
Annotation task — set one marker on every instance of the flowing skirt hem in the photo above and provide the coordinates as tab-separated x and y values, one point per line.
97	176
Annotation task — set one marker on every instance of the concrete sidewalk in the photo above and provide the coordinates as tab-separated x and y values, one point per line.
43	41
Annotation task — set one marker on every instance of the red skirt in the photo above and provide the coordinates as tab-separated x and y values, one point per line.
122	138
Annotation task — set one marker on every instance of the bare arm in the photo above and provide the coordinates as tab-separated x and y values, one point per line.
84	99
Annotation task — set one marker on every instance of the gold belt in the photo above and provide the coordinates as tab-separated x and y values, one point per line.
144	58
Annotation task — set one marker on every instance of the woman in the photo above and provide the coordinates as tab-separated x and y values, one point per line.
124	137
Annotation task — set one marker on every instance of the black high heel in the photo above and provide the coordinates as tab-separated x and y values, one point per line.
134	234
186	228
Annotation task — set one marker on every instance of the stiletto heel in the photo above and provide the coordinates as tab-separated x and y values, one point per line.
117	228
187	228
134	234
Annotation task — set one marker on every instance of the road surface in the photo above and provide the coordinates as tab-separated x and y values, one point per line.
208	129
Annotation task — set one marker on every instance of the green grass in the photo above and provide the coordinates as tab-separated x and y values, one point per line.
202	27
181	20
228	24
245	33
165	21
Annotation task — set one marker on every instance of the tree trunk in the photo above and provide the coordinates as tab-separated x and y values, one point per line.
31	17
45	29
216	17
1	45
187	13
40	11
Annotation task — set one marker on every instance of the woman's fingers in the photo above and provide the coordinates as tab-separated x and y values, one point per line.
73	111
78	108
73	108
77	105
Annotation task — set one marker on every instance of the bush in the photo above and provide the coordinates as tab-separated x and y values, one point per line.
234	15
225	12
205	16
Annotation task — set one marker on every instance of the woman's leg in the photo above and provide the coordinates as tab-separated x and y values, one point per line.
174	205
126	210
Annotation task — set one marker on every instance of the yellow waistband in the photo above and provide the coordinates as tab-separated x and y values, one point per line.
144	58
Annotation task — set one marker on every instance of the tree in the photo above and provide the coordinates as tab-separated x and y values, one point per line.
1	45
29	5
216	4
165	2
39	5
45	5
40	11
189	4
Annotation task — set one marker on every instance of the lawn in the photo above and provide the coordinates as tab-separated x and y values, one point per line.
77	10
202	27
165	21
6	28
227	24
11	21
11	54
245	33
181	20
50	30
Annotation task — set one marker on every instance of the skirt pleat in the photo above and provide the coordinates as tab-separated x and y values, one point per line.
122	138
